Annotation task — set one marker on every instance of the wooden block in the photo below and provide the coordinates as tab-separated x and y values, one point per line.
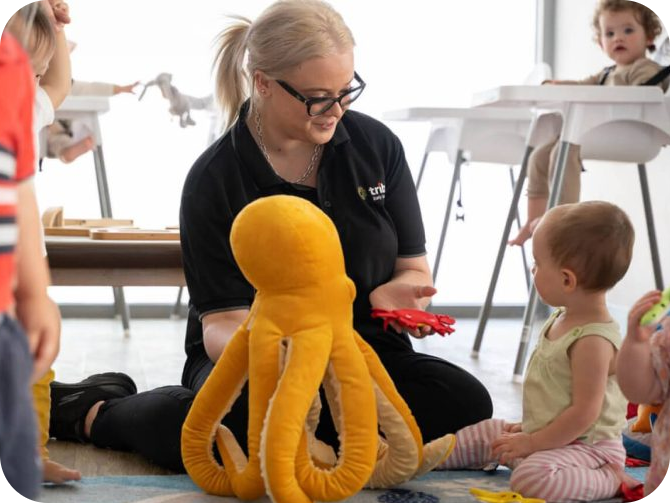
67	231
97	222
53	217
135	234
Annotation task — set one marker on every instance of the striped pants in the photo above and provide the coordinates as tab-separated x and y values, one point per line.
576	472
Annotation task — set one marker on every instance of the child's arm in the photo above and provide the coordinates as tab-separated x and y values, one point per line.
592	80
590	361
57	79
634	367
128	88
35	310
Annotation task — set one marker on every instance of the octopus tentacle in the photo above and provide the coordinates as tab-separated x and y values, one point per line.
292	474
211	404
400	461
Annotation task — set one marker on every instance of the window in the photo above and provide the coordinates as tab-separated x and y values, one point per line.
442	51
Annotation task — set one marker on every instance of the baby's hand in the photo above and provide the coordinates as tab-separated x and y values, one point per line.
510	446
58	12
642	333
512	428
129	88
61	11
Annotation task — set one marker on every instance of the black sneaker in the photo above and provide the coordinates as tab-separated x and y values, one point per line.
71	402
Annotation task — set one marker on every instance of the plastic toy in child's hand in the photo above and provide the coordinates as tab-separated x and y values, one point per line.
658	310
416	318
501	497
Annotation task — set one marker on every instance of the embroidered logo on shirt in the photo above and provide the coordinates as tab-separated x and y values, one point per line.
378	192
362	193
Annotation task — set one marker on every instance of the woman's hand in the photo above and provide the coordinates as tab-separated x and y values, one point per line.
401	295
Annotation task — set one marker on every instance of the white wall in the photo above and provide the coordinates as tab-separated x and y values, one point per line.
618	183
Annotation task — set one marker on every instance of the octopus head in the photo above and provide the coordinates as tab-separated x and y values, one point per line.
286	242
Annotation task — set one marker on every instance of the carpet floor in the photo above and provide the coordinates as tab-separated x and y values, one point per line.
434	487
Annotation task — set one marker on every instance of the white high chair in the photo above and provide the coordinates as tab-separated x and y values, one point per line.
87	109
487	135
624	124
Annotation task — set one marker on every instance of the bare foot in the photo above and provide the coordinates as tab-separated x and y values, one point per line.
58	474
69	154
525	233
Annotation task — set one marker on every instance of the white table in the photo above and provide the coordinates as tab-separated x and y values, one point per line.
489	135
87	109
637	116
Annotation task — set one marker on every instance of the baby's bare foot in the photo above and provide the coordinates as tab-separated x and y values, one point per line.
523	236
69	154
58	474
525	233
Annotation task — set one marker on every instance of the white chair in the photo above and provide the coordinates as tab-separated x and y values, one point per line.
632	131
87	109
474	135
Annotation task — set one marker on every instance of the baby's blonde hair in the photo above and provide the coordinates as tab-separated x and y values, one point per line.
286	34
32	27
594	239
644	15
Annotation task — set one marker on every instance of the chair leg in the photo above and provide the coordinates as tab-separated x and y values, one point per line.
106	211
529	314
447	214
423	166
485	310
524	257
651	230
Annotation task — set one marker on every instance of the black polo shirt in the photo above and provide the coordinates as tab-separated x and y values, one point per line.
363	184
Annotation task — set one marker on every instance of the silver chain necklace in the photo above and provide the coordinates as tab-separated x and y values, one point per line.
261	143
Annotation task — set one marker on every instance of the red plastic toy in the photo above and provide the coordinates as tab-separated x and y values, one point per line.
416	318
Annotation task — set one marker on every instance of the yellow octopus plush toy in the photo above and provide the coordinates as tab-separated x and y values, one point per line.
299	336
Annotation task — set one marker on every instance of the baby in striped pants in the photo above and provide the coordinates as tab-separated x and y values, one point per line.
568	446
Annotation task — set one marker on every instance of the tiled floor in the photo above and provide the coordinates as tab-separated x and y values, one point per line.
153	355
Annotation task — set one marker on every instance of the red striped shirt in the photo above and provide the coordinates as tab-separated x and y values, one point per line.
16	151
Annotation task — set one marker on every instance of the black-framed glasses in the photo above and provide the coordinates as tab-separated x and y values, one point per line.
320	105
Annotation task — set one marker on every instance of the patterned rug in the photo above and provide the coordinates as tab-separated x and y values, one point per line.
434	487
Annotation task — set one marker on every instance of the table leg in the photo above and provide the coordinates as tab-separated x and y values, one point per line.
174	315
447	214
122	308
485	310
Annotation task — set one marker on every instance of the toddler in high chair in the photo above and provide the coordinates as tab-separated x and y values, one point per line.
68	139
568	445
643	369
624	30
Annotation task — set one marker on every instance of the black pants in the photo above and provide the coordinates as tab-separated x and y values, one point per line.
443	398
